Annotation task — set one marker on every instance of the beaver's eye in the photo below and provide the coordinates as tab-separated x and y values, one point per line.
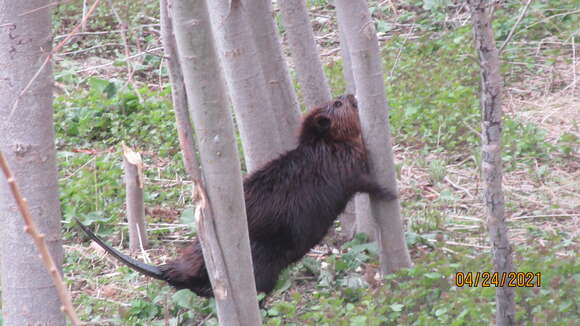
337	104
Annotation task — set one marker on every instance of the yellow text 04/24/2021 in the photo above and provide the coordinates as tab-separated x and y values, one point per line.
487	279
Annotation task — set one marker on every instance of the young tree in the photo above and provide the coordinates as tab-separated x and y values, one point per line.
368	75
346	63
246	84
365	222
28	294
304	53
278	84
178	94
225	241
491	166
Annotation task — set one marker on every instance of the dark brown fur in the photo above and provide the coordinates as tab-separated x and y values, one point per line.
292	201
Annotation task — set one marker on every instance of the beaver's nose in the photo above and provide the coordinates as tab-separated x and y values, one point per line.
351	99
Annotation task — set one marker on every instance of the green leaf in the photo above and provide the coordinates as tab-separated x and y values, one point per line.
188	216
383	26
340	265
110	90
98	85
183	298
284	281
358	321
440	311
353	281
411	110
433	275
397	307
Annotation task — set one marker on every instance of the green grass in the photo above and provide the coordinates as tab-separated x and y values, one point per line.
105	116
423	295
90	128
433	94
426	295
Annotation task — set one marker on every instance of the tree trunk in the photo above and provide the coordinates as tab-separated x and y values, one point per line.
346	62
29	296
133	168
227	258
491	92
365	222
246	84
368	75
178	95
304	54
278	84
310	76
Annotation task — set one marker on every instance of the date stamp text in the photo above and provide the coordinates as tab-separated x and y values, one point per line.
487	279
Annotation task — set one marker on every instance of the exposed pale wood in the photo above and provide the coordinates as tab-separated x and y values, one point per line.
133	168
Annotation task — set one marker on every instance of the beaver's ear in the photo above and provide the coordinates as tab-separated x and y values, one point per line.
322	123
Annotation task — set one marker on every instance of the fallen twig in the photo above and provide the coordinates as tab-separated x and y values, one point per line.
511	33
458	187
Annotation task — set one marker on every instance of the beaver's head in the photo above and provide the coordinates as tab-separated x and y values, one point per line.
335	121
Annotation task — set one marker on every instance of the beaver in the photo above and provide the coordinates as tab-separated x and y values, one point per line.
291	202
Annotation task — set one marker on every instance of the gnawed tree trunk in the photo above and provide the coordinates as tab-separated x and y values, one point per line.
313	85
491	92
29	296
227	257
178	94
368	75
246	84
133	168
278	84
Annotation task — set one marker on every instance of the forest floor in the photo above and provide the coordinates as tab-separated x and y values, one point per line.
432	80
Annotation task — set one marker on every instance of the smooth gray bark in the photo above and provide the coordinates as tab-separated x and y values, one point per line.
346	62
133	168
313	85
368	75
491	165
365	223
27	139
246	83
278	84
178	94
227	256
311	77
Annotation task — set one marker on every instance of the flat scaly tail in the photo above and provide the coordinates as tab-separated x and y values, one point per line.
146	269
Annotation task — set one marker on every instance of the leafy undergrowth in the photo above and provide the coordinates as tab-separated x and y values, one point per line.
432	88
341	289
